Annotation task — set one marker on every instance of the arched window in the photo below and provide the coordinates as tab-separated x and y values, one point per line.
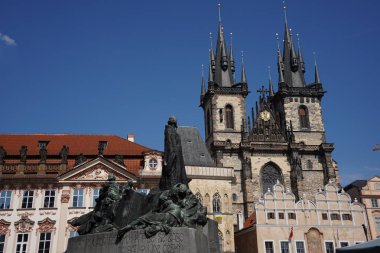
220	237
199	197
216	204
208	122
269	176
304	116
229	117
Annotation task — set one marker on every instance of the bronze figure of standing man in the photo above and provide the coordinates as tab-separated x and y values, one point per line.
173	171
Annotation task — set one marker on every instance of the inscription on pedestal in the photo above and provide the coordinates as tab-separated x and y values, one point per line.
178	240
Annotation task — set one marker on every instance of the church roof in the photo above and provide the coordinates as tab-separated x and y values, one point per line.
194	150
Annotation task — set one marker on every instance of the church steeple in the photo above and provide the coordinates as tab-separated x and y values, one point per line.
223	74
243	75
203	88
271	92
293	74
299	55
232	60
280	63
316	74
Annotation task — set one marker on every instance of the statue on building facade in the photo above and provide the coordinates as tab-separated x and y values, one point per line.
63	154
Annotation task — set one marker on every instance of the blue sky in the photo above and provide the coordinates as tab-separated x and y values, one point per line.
121	66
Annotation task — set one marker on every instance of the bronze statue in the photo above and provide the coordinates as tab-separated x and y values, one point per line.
174	167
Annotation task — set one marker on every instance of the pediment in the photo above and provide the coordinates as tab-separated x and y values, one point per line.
97	170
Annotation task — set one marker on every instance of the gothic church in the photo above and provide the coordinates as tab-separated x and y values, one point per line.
281	140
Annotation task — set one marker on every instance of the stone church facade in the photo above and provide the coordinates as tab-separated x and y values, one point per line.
281	139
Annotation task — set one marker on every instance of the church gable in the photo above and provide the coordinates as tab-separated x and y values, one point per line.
97	170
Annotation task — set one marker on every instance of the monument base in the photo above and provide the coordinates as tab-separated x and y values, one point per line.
179	240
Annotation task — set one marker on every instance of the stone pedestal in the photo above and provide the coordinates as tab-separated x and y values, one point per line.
179	240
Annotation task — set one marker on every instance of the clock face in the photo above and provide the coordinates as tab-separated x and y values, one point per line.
265	115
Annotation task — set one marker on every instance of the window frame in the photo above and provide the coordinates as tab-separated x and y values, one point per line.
95	195
304	247
49	198
229	114
22	242
340	244
288	243
291	214
3	238
29	199
265	248
6	199
216	203
325	215
329	241
78	196
374	200
44	241
304	123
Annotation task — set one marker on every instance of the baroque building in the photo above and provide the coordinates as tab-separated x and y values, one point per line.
283	139
48	180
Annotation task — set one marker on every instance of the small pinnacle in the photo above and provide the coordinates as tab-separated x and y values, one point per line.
242	57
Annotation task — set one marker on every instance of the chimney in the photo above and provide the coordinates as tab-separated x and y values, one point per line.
131	137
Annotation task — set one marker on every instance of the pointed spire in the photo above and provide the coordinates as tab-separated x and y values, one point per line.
210	74
220	12
280	64
232	60
203	89
243	75
257	110
300	58
293	74
317	79
223	72
212	57
253	114
271	93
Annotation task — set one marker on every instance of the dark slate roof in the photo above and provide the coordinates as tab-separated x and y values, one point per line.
357	183
194	150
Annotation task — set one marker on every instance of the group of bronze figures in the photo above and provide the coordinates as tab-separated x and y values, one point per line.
120	208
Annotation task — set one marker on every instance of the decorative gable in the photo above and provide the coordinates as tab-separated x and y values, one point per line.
97	170
24	224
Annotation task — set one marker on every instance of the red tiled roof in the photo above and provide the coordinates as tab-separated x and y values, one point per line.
250	220
86	144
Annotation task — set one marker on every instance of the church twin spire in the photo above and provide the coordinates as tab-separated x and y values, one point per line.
291	65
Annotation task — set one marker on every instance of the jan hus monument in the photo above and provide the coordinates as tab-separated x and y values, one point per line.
169	219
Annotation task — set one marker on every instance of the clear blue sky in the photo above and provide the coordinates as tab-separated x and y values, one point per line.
121	66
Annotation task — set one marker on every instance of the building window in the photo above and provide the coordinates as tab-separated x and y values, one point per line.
281	216
377	223
45	240
284	247
208	122
5	199
216	203
344	244
300	247
269	176
377	186
270	215
221	115
220	236
335	216
292	216
22	243
269	247
73	233
49	199
324	216
78	198
95	195
2	243
309	165
229	117
374	203
303	116
153	163
27	199
346	216
234	197
329	246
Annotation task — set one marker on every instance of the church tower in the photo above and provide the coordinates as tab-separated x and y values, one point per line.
223	102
